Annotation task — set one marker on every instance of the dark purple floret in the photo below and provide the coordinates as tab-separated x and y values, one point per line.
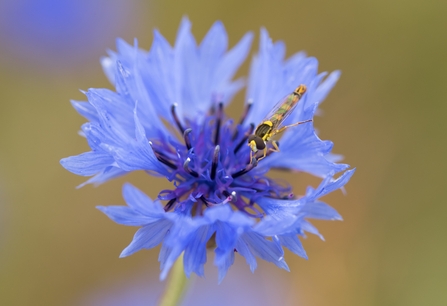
210	165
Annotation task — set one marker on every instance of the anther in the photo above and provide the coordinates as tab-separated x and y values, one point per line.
176	119
187	169
246	110
205	201
162	158
186	138
244	140
257	213
233	195
229	198
218	122
244	115
215	162
250	166
169	205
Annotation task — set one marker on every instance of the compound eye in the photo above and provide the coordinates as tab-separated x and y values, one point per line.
251	137
260	144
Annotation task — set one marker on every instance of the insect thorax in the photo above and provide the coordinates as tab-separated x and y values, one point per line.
264	130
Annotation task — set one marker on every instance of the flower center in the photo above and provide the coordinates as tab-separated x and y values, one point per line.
211	166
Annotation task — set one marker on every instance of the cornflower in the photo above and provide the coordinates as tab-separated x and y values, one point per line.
167	117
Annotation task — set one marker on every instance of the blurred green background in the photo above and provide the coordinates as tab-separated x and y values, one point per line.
386	116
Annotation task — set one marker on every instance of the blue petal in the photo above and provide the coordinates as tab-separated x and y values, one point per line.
141	209
159	79
292	242
202	75
195	253
226	238
176	242
183	236
320	210
167	257
105	175
232	60
148	237
302	150
279	208
87	164
211	50
245	252
308	227
137	154
126	216
272	225
328	185
85	109
125	50
95	137
265	85
137	90
267	250
108	66
109	124
326	86
141	203
185	61
229	225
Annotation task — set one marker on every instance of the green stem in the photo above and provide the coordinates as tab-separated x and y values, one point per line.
176	286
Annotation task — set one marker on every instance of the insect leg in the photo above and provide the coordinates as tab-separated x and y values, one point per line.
275	146
265	153
291	125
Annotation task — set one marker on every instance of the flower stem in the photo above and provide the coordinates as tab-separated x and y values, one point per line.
176	286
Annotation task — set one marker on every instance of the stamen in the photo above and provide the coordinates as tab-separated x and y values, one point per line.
169	205
218	122
163	158
244	140
250	166
215	162
187	169
204	201
289	196
186	138
244	115
257	213
229	198
176	119
246	110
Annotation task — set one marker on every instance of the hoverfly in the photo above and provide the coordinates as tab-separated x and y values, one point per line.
270	126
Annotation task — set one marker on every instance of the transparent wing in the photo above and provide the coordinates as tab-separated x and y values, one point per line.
282	110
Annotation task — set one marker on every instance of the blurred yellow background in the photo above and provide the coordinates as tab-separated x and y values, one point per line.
386	116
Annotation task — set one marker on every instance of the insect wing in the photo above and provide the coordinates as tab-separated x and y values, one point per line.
282	110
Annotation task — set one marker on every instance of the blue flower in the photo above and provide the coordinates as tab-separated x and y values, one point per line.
167	117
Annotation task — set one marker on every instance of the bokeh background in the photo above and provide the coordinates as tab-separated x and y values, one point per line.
386	116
